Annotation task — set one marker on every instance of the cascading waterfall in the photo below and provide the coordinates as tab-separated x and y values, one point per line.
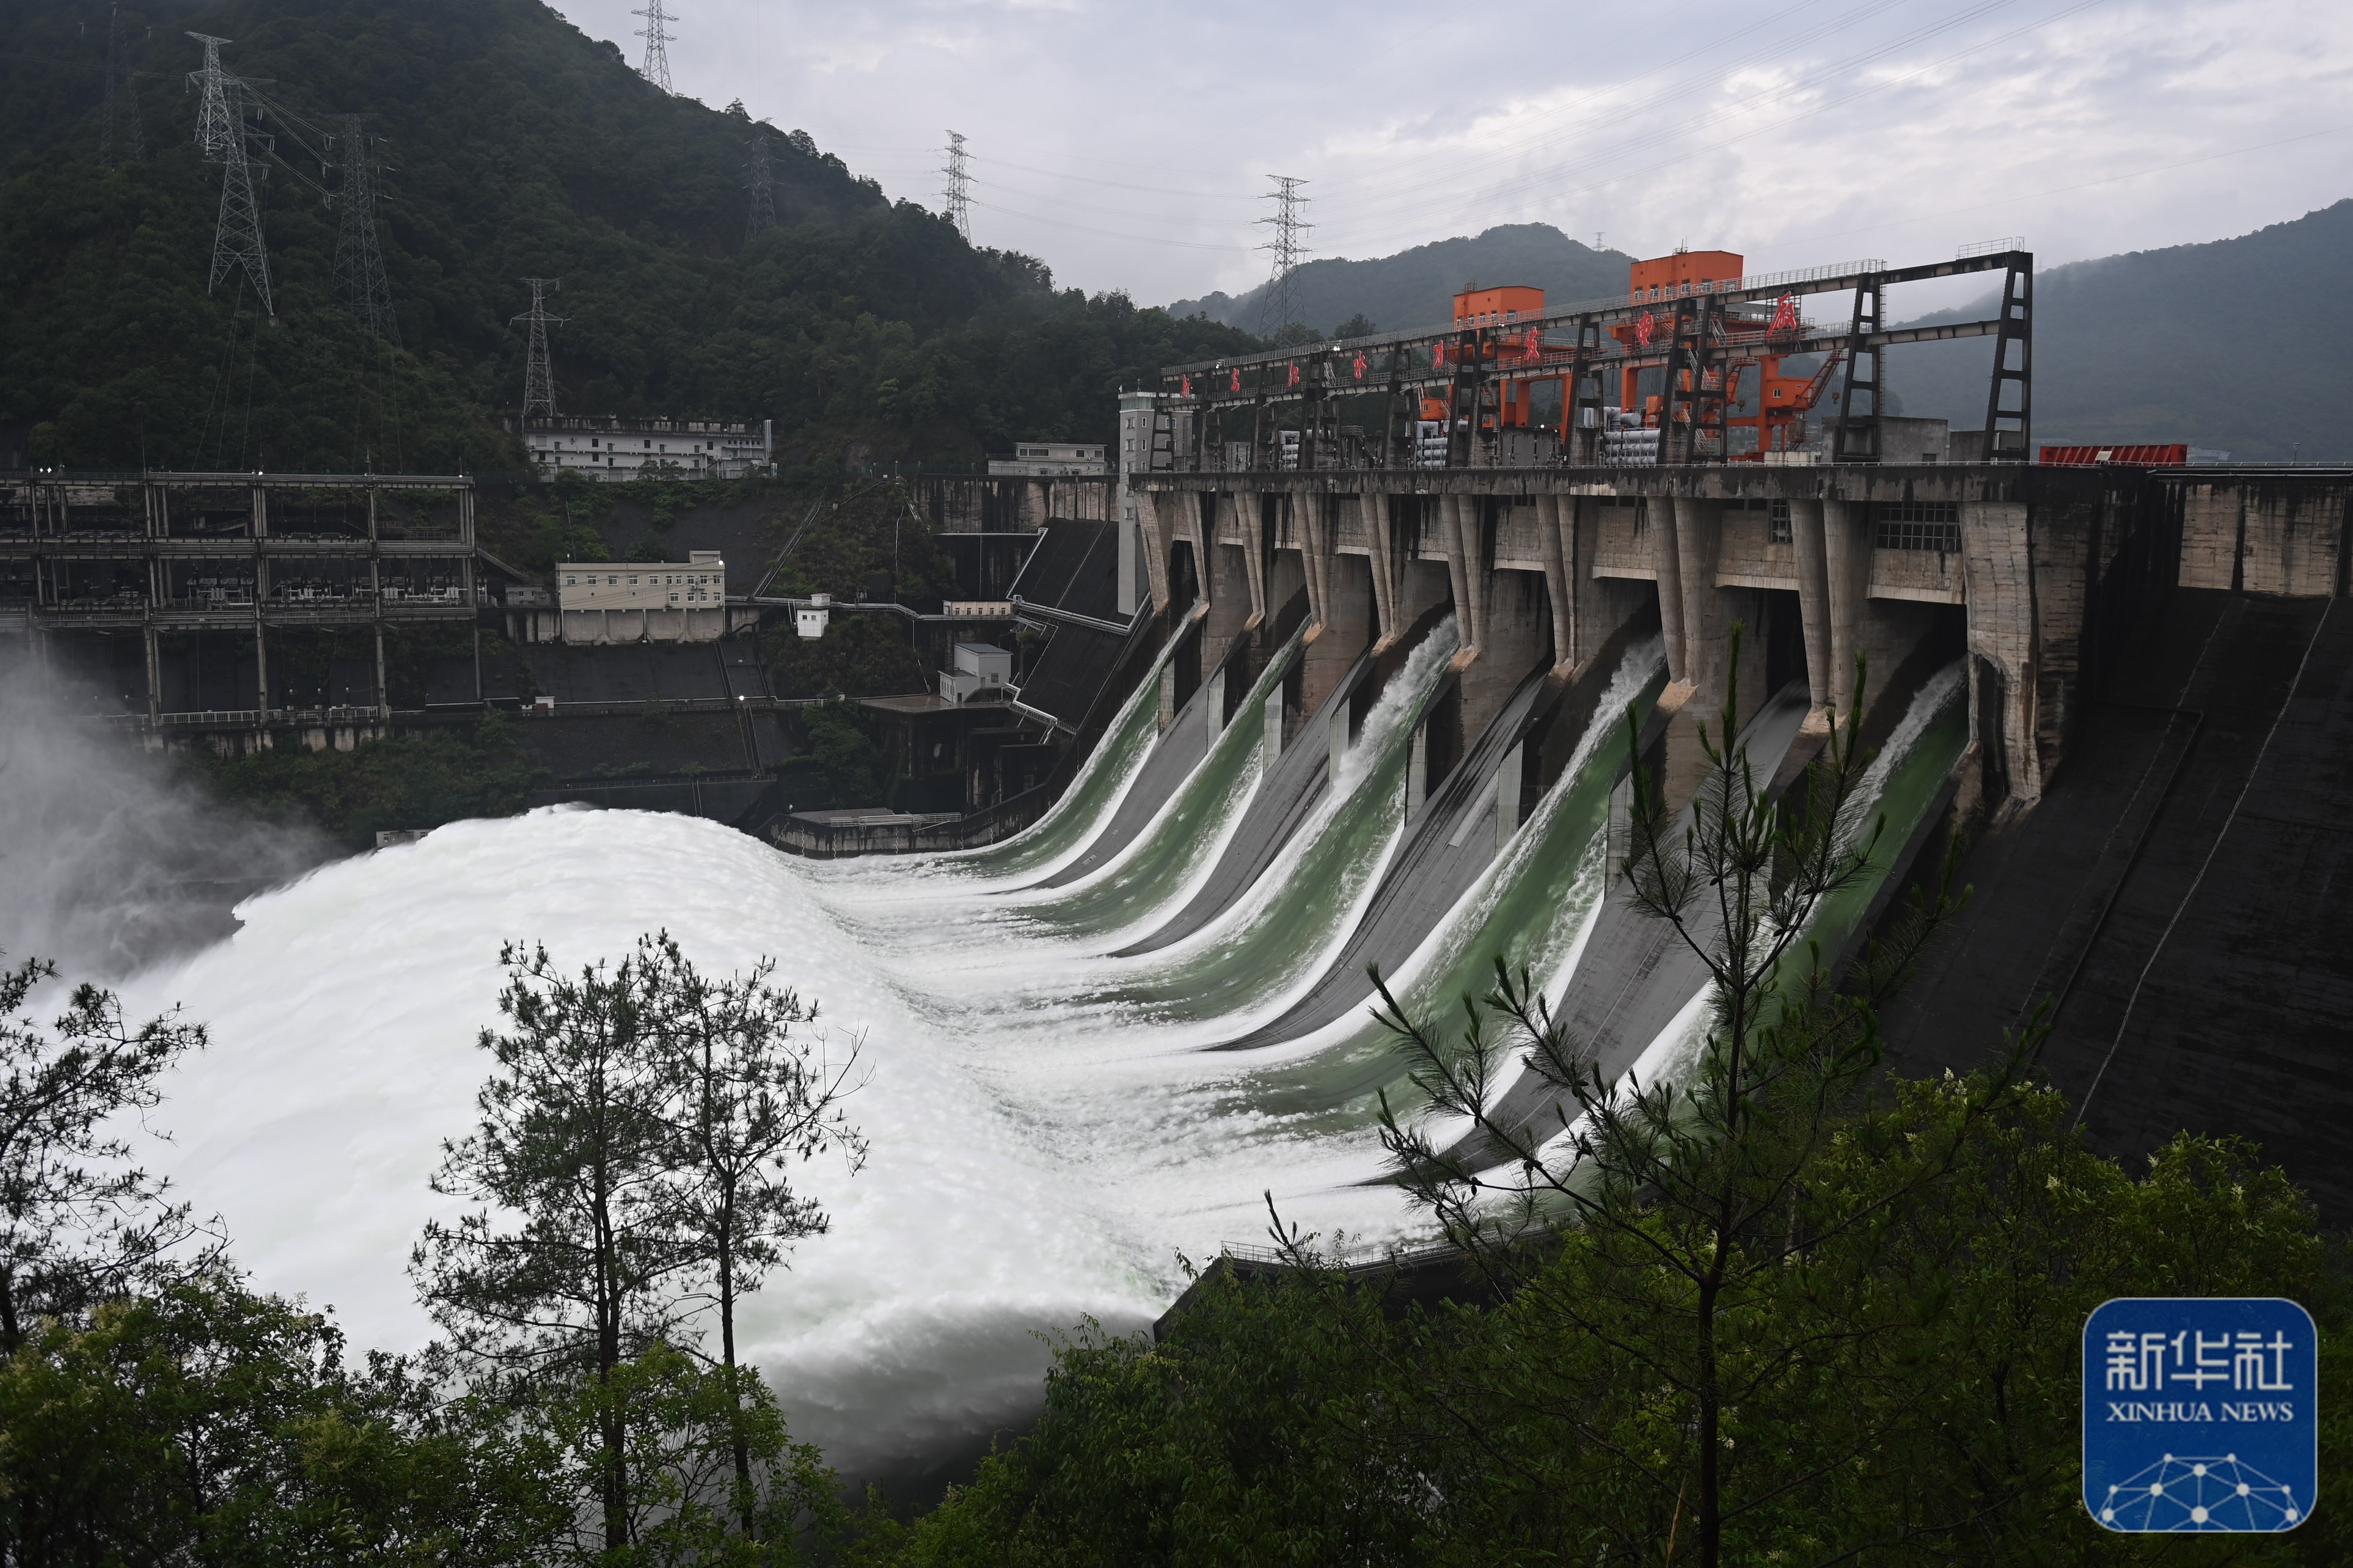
1049	1131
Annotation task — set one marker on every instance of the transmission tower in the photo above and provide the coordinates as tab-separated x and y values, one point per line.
538	380
122	139
655	33
1279	307
360	280
220	131
959	190
759	214
214	128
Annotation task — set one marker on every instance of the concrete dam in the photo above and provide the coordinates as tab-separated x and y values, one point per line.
1367	713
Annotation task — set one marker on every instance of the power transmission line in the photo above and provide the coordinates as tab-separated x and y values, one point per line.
1289	248
538	379
759	214
220	131
122	139
360	280
655	33
959	190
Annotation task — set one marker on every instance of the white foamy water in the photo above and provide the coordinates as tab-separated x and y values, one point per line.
1031	1164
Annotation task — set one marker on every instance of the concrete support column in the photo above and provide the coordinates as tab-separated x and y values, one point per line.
1666	561
260	664
1314	514
1378	511
1699	539
1560	549
1466	568
1156	513
1250	513
2005	641
383	696
1813	596
1846	560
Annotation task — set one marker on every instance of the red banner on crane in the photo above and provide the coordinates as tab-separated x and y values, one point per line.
1534	347
1643	329
1292	380
1360	367
1184	386
1784	315
1238	378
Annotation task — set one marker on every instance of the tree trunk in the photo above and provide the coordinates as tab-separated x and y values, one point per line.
11	1336
727	1352
612	1428
1710	1520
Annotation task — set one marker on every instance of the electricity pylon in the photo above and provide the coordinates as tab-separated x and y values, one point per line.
655	33
220	131
760	182
122	139
1279	307
959	192
360	280
538	379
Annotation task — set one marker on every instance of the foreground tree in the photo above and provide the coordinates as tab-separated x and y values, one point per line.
77	1221
560	1275
744	1100
203	1424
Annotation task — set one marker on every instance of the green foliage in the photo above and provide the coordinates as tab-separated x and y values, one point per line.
205	1424
76	1218
521	148
688	1500
1306	1419
404	780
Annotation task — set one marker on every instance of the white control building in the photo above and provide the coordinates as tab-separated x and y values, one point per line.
614	449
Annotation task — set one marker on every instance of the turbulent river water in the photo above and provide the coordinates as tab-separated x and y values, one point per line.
1049	1132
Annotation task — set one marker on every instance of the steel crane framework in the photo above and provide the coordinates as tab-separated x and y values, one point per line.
1479	375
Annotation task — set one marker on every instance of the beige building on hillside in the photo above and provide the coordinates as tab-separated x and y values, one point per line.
643	601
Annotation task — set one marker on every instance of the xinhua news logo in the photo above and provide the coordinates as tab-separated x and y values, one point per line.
2201	1415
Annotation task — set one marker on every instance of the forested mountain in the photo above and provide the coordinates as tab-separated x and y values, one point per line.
2239	344
516	146
1417	288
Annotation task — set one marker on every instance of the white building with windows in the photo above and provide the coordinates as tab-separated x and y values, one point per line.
613	448
1051	459
643	601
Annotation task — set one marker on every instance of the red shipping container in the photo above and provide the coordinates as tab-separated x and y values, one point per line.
2146	457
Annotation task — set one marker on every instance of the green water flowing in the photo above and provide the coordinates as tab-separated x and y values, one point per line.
1186	837
1307	902
1527	909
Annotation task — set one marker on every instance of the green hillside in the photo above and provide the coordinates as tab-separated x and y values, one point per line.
2239	344
1417	288
518	146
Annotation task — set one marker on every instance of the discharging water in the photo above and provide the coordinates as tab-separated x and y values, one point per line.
1048	1129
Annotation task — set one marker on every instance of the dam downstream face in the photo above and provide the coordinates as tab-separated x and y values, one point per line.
1049	1124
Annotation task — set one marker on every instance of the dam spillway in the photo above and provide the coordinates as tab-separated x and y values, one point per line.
1092	1047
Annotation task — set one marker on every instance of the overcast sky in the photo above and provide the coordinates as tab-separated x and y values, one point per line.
1128	145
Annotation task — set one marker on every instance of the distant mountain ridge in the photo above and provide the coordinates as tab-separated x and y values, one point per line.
2237	343
1416	287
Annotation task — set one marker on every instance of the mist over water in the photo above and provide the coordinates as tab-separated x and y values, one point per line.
108	860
